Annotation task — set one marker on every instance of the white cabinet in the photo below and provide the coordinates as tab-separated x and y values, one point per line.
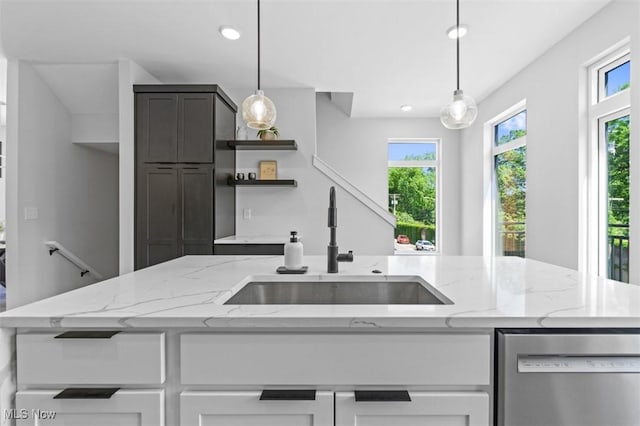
440	368
247	409
123	358
200	408
424	409
124	408
356	359
85	363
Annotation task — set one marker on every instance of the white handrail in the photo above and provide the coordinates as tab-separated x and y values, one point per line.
358	194
56	247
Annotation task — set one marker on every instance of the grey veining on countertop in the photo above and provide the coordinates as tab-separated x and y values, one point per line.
255	239
487	292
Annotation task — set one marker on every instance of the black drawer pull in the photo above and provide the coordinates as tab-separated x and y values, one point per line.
86	393
382	396
288	395
88	334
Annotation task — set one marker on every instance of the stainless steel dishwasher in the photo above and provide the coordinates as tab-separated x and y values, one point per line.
568	377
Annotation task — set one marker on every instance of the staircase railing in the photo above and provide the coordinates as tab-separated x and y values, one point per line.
56	247
359	195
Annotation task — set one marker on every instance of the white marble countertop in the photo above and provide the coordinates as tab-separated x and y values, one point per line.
255	239
189	292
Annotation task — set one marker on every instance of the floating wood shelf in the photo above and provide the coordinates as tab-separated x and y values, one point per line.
262	182
258	144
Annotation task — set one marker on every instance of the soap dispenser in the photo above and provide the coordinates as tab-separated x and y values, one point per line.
293	252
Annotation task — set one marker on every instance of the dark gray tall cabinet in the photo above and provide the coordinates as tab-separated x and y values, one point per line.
183	162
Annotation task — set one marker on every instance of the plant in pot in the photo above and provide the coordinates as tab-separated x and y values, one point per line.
268	134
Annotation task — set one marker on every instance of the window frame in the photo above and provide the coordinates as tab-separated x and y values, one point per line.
600	110
490	210
603	70
437	165
603	189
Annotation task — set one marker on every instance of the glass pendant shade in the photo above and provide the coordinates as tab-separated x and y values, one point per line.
461	112
258	111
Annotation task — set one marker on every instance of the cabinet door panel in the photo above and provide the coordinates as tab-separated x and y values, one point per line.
161	196
417	420
189	249
160	252
195	128
157	215
196	206
256	420
93	419
157	122
424	409
246	409
124	408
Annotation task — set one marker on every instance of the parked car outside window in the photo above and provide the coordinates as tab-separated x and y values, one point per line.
425	245
403	239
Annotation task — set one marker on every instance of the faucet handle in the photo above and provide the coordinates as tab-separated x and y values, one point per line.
346	257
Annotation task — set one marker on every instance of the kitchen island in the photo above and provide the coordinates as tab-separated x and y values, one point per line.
181	356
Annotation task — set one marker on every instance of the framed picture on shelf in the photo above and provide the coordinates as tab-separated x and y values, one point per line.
268	170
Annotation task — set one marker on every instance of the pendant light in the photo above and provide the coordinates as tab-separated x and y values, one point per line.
462	111
258	111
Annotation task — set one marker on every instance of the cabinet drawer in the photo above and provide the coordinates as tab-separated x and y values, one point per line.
124	358
246	409
424	409
335	359
124	408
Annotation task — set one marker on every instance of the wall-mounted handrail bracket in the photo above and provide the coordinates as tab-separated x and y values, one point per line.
56	247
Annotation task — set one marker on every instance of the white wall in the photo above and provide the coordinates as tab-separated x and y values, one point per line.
3	133
129	73
551	87
276	211
100	128
357	149
3	179
73	188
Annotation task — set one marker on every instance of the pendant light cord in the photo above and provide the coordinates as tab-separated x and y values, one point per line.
258	44
457	44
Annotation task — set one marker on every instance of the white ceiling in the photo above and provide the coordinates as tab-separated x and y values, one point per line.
388	52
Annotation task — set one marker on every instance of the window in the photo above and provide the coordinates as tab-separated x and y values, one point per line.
509	154
608	242
413	167
614	77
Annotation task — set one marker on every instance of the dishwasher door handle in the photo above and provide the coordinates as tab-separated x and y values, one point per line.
578	363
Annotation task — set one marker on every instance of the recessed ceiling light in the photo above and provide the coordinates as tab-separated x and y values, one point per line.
229	33
406	108
453	31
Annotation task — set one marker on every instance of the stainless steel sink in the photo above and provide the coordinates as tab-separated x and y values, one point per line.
339	291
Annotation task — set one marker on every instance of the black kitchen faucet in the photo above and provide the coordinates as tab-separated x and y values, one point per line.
333	257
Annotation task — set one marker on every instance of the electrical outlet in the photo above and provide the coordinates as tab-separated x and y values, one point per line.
246	214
